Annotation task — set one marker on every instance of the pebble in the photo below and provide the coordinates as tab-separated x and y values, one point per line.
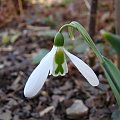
77	109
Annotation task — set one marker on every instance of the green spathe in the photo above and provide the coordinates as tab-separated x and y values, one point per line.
59	39
59	59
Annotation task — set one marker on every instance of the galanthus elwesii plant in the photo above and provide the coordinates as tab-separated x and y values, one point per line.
55	63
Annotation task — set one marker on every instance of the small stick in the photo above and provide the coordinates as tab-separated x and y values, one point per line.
21	7
87	4
92	17
117	22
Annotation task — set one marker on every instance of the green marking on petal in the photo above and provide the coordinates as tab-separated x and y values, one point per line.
59	59
59	69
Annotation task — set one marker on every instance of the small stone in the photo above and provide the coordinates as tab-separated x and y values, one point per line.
77	109
6	115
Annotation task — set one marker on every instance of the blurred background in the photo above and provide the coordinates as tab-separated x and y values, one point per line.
27	30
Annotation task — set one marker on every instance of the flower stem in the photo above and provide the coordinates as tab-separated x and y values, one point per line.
64	26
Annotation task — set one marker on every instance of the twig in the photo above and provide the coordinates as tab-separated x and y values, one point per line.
87	4
21	7
92	18
117	22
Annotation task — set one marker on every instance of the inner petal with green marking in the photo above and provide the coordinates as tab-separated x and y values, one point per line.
59	59
59	64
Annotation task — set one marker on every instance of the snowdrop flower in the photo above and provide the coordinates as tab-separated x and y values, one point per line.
55	63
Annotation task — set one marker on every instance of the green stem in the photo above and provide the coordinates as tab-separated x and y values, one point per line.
64	26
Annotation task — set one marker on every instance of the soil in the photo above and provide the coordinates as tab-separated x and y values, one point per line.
58	92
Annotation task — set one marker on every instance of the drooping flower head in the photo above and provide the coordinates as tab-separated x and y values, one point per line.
55	63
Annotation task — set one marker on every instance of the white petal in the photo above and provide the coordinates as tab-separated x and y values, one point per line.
39	75
86	71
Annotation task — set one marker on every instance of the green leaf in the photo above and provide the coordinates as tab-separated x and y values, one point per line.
113	76
113	39
39	56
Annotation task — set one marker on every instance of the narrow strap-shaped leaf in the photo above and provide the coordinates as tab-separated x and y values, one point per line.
114	71
113	87
113	76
